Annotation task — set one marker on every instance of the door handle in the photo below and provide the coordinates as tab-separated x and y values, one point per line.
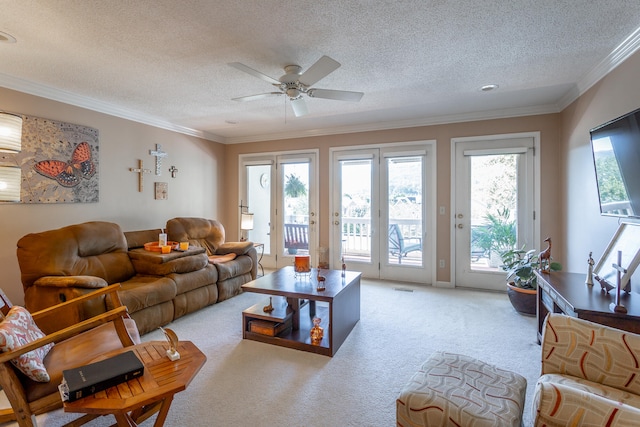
336	222
312	222
460	226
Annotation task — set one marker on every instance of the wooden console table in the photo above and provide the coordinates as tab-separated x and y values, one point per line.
567	293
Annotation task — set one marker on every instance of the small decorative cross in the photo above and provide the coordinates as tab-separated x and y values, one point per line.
140	170
174	171
159	154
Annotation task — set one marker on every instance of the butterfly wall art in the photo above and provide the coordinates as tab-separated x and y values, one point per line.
59	162
69	173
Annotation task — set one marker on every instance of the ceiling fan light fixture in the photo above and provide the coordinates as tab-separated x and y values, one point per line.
293	93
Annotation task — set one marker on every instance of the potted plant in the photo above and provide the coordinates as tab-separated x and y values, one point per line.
522	282
497	236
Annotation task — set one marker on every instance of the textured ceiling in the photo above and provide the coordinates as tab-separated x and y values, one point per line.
165	62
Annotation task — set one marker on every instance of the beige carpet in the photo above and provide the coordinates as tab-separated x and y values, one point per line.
246	383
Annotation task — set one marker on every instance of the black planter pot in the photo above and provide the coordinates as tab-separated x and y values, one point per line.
523	300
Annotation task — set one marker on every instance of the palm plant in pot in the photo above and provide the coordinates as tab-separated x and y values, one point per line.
496	236
522	283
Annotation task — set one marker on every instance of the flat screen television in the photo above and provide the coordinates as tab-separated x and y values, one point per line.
616	156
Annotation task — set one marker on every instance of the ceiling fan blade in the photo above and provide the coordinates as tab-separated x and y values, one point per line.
255	97
321	69
299	107
258	74
340	95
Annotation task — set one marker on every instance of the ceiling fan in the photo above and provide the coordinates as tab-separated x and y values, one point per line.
294	84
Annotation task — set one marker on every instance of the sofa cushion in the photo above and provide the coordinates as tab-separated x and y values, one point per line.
145	291
137	239
18	329
201	232
563	400
237	267
186	282
90	249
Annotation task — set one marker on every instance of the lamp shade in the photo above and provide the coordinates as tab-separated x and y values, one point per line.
10	183
246	222
10	133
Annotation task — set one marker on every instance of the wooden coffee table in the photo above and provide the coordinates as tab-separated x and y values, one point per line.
338	306
136	400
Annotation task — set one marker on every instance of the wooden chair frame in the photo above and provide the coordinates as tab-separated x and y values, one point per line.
21	410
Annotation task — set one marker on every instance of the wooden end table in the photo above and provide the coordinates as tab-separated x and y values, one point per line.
136	400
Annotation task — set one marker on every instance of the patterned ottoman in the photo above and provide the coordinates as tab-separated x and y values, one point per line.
455	390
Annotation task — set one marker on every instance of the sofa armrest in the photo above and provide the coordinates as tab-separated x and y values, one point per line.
89	282
241	248
238	248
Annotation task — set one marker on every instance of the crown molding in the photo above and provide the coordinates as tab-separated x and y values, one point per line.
620	54
37	89
623	51
402	124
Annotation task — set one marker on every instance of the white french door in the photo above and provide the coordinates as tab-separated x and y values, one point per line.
493	208
380	212
280	190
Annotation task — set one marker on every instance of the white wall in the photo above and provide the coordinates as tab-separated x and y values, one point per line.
192	193
617	94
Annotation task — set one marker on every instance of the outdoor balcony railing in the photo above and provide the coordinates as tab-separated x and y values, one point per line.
356	233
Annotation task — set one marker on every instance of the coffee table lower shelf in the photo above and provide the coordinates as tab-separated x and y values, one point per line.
298	339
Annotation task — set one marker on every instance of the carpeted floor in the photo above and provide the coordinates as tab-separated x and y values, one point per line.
246	383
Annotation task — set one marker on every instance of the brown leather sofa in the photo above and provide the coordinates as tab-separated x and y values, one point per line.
58	265
210	234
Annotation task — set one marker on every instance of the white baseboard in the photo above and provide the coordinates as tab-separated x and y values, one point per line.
444	285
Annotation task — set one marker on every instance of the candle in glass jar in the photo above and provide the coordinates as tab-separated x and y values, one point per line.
301	264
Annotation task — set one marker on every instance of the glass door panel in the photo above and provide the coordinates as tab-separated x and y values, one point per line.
356	210
295	208
405	210
259	203
494	208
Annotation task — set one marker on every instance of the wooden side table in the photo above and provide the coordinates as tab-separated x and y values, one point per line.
135	401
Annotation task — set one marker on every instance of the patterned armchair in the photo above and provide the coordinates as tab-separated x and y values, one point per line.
590	375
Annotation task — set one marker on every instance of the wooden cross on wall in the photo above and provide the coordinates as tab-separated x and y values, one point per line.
140	170
159	154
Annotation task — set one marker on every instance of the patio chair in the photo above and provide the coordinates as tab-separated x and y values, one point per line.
400	246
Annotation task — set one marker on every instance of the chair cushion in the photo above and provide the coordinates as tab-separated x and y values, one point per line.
563	400
18	329
77	351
